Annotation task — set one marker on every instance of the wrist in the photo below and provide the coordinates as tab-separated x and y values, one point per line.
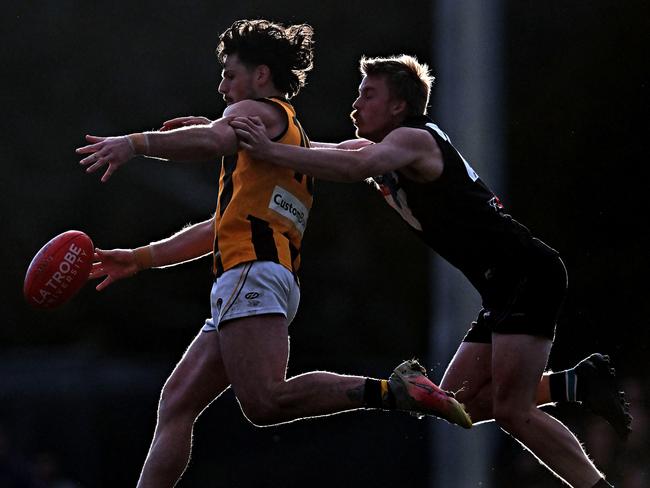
273	152
143	257
139	142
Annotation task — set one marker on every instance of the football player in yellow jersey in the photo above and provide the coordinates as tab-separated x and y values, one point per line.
497	368
256	244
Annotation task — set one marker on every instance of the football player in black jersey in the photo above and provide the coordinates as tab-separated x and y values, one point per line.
522	281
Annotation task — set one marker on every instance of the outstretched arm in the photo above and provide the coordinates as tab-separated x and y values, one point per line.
183	143
193	143
402	148
184	122
190	243
348	144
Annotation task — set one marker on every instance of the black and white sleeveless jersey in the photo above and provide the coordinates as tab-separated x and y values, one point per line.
460	218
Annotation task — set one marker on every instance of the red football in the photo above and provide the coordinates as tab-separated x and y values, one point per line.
59	270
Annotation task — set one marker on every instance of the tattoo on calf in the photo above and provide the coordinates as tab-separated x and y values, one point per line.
355	394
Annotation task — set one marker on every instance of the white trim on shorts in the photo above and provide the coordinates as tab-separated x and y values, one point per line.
253	288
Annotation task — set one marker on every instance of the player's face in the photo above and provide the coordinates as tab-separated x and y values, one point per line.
373	114
236	81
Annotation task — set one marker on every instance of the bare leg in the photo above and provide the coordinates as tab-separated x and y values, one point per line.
255	352
196	381
469	376
518	362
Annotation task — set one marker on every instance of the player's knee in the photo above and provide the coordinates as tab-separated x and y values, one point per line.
174	403
511	417
265	408
261	412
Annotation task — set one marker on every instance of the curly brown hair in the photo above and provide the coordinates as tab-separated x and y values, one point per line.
287	51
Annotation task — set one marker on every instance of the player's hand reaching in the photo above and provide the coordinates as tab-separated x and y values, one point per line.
113	265
184	122
251	133
103	151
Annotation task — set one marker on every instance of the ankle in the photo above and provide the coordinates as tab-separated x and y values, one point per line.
563	386
377	394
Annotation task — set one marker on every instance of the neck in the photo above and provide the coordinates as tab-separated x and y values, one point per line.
380	136
269	92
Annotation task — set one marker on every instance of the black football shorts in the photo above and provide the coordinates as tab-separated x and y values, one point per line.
530	306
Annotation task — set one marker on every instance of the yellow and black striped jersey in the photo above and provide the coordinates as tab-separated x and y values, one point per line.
262	209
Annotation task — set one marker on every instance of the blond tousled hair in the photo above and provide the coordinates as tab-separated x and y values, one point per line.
407	79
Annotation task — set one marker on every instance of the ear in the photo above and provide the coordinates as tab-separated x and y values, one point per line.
262	74
397	107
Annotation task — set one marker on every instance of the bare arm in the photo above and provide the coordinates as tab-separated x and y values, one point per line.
348	144
194	143
187	121
190	243
186	143
411	150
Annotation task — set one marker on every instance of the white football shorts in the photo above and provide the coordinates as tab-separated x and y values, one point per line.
253	288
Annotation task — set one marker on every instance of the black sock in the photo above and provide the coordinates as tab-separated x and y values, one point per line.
564	386
372	393
377	394
603	484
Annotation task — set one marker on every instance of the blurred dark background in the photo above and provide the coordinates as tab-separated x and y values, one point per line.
79	385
